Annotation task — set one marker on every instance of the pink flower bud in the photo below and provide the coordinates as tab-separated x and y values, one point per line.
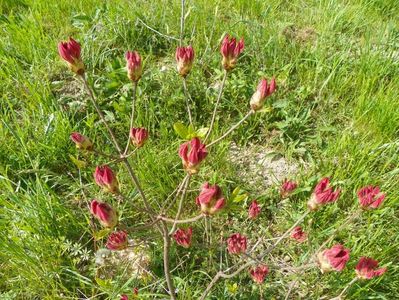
230	51
117	240
259	273
254	210
183	237
370	197
133	66
262	92
104	213
138	136
105	178
184	59
237	244
367	268
70	52
287	188
323	194
192	154
82	142
124	297
334	258
210	199
298	234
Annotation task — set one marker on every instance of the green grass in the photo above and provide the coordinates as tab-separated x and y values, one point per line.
336	109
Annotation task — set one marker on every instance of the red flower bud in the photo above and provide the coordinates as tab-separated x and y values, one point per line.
262	92
82	142
184	59
259	273
133	66
287	188
104	213
323	194
138	136
254	210
117	240
367	268
124	297
230	51
70	52
334	258
183	237
210	199
370	197
237	244
105	178
192	153
298	234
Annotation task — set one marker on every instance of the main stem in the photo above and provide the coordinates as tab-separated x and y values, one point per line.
163	229
216	105
166	249
188	98
131	116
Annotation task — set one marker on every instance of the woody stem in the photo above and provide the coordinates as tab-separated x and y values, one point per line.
223	274
188	98
179	209
131	115
231	129
216	105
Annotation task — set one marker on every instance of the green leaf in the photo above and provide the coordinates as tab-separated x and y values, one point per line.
181	130
202	132
79	163
265	110
101	234
238	196
104	283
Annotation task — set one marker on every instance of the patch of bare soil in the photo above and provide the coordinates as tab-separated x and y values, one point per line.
301	35
261	167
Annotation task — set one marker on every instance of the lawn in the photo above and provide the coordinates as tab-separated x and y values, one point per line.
335	114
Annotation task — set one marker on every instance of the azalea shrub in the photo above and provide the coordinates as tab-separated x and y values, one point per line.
164	218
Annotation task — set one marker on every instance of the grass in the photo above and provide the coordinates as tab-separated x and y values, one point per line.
336	110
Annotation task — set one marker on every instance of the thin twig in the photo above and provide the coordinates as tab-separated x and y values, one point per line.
179	209
345	289
131	116
248	264
231	129
190	220
188	98
182	19
216	105
156	31
118	148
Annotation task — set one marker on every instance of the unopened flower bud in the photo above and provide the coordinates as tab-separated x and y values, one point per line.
70	52
184	59
230	51
133	65
82	142
104	213
138	136
117	240
105	177
262	92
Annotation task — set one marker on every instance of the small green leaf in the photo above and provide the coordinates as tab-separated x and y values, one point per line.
79	163
104	283
265	110
202	132
101	234
181	130
238	196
